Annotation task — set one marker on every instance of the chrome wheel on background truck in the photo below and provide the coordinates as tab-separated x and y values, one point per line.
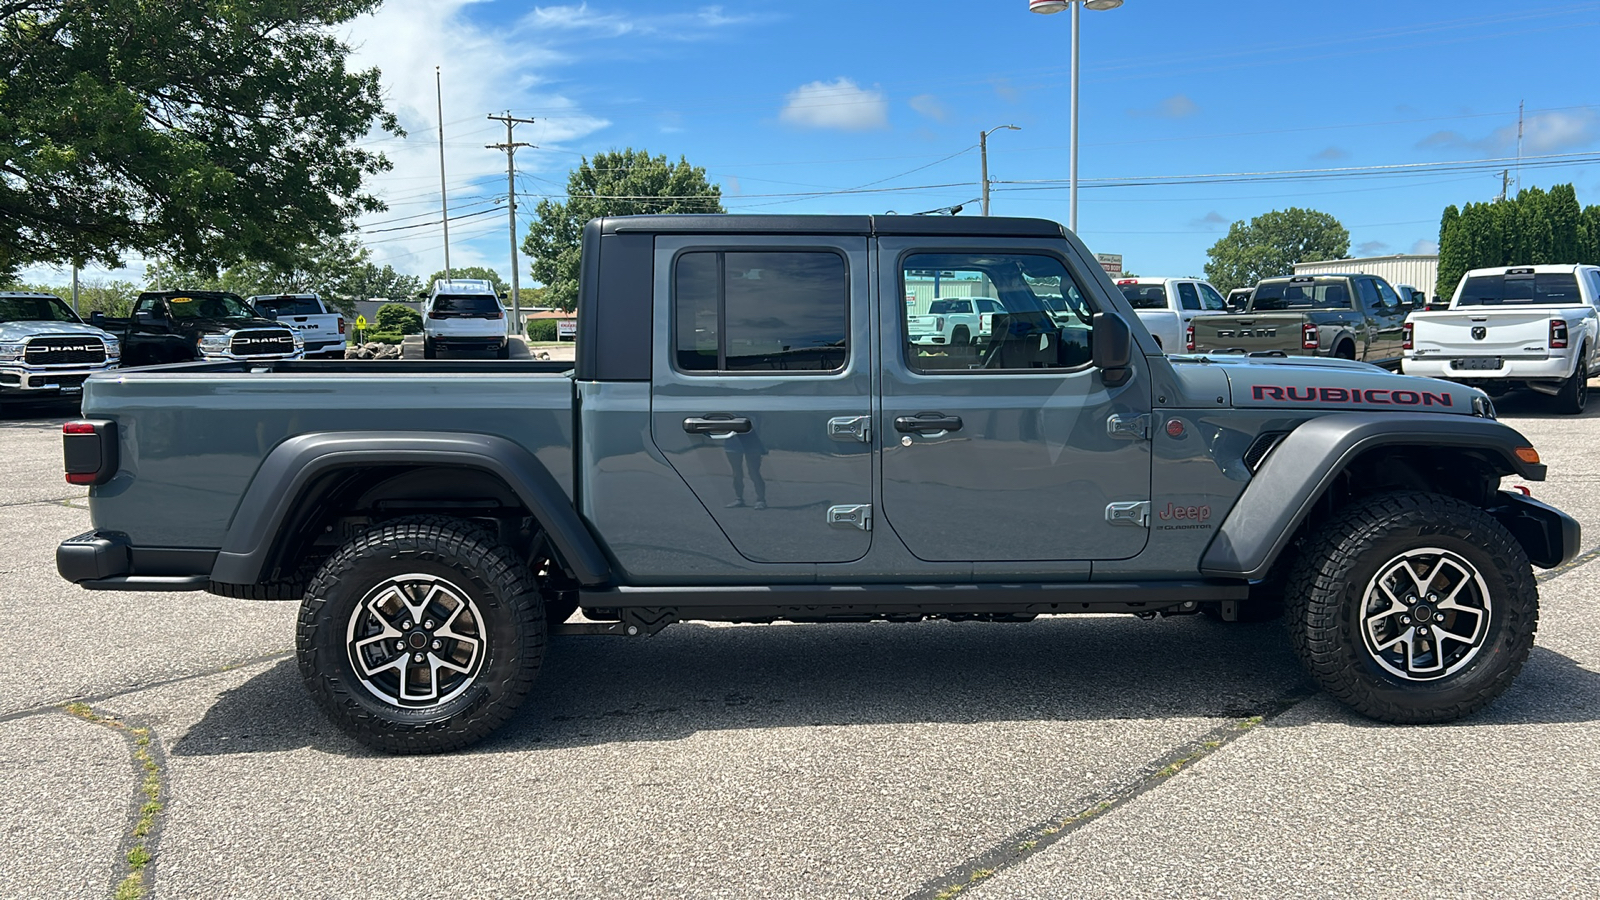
1413	608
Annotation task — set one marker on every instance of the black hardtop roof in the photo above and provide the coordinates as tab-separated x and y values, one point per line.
180	292
974	226
1309	276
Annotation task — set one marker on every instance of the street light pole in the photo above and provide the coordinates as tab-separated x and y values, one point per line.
983	156
1054	6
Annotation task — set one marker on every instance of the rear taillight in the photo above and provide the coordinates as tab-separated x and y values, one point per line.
341	324
438	315
1188	338
1308	337
1558	334
1406	332
89	449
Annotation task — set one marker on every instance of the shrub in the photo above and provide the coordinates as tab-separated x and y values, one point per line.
541	329
381	336
399	318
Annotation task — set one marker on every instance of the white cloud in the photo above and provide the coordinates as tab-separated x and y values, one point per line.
1546	132
482	73
1178	106
1332	153
1371	248
693	25
1423	246
930	106
1209	220
839	105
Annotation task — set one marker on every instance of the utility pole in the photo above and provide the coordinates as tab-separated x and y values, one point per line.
75	287
510	147
444	203
1519	143
1505	183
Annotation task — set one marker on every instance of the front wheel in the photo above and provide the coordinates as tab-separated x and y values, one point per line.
1413	608
422	635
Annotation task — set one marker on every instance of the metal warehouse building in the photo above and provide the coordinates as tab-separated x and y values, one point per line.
1421	272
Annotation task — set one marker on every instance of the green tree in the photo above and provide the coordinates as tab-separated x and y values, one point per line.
399	317
368	281
1271	243
480	273
616	183
338	271
1589	235
1452	255
204	132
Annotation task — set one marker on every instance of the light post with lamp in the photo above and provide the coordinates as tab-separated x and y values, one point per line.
983	155
1054	6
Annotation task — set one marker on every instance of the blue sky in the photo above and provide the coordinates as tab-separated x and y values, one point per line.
791	105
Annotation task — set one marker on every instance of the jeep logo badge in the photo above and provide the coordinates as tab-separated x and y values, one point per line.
1479	332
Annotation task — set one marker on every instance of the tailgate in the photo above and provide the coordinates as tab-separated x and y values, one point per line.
1502	332
1250	332
327	323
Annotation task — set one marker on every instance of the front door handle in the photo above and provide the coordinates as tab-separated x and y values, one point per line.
927	423
717	427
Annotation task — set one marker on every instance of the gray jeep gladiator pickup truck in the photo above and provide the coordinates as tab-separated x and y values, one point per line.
749	434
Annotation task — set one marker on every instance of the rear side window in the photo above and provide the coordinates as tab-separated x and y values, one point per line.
1312	294
465	305
1145	296
760	311
1188	296
1526	289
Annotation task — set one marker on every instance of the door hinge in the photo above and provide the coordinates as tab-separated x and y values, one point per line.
1132	427
857	515
1129	512
850	428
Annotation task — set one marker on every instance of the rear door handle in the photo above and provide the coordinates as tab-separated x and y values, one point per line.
717	427
927	423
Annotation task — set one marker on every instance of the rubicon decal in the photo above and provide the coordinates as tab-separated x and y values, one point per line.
1369	397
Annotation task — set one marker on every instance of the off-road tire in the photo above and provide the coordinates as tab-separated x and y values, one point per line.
1329	584
1574	394
428	350
1345	350
504	596
961	337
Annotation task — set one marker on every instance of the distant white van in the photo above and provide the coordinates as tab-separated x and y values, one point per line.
464	315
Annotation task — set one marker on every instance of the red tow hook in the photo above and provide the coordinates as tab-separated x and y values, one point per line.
1522	488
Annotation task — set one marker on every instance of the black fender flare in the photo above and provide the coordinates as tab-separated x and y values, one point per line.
1301	468
292	465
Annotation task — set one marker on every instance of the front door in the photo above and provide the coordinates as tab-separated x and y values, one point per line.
762	403
1015	448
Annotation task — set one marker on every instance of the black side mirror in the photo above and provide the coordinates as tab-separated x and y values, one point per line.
271	313
144	317
97	319
1111	348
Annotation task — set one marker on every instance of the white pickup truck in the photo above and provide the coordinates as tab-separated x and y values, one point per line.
1523	326
1167	306
954	321
323	329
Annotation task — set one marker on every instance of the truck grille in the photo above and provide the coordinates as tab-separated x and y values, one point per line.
65	351
265	342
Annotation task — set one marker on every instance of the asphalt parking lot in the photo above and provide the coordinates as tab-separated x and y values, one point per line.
1072	757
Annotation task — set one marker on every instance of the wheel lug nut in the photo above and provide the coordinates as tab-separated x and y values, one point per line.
1410	599
1433	598
428	624
1405	620
1423	631
437	645
405	624
400	645
417	658
1439	617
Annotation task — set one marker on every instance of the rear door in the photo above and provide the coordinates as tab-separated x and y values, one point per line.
763	403
1021	452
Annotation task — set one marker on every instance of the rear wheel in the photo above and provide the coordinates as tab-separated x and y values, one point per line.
428	351
961	337
420	636
1345	350
504	352
1574	394
1413	608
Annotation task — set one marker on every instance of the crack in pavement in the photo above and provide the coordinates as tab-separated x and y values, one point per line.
1022	845
1582	559
147	806
46	501
57	705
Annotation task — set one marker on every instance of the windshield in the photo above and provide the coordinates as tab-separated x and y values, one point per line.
467	305
289	306
214	306
1543	289
1319	294
35	309
1145	296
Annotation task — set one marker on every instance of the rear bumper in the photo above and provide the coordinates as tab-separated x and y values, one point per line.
1553	368
107	561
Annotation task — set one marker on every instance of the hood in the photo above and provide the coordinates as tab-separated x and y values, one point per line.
1305	382
223	326
16	331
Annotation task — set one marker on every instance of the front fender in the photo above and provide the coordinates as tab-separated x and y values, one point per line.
291	466
1301	468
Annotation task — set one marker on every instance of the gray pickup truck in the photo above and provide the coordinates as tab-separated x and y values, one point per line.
1343	316
749	434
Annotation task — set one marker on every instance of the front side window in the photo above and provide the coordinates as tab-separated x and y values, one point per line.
1368	290
760	311
1039	317
1210	299
1390	298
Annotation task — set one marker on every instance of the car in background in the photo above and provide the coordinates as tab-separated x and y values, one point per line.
322	329
186	326
464	315
954	321
1345	316
1239	298
1169	306
46	351
1513	327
